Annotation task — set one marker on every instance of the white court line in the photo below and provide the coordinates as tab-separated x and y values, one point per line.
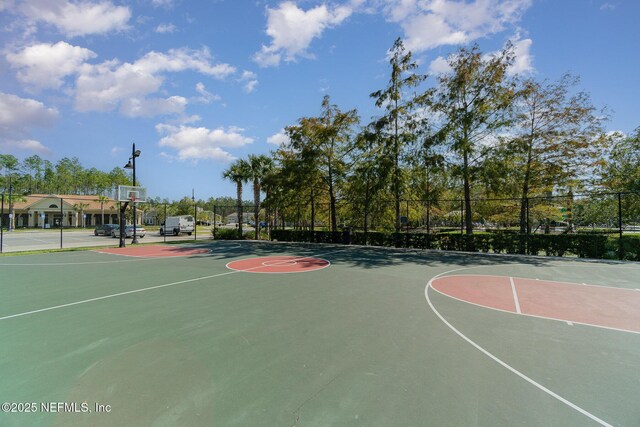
543	280
26	313
154	255
500	362
127	258
295	261
515	295
610	328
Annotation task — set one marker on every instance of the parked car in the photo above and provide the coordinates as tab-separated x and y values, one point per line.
105	229
128	231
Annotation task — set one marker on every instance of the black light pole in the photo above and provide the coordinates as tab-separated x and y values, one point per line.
195	215
10	204
132	165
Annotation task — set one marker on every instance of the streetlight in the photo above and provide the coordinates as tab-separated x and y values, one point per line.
10	204
132	165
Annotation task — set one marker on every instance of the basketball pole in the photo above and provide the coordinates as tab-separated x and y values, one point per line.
132	165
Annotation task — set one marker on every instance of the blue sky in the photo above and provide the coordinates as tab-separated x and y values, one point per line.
195	84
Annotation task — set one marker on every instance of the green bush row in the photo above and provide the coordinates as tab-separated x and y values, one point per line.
598	246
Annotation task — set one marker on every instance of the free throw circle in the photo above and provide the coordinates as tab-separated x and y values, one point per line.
279	264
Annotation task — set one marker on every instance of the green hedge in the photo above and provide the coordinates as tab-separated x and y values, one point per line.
630	246
598	246
227	234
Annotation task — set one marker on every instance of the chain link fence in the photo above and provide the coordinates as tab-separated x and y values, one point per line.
553	214
603	225
41	222
48	222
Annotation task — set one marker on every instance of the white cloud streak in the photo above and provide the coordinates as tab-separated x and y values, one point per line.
205	97
166	28
77	18
111	84
20	113
279	139
18	116
198	143
30	145
522	65
250	80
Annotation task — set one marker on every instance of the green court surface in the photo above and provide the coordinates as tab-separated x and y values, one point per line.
367	338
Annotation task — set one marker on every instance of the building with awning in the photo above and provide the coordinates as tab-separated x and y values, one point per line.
53	210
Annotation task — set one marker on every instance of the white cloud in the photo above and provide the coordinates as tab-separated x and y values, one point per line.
279	139
166	28
523	63
429	31
431	23
46	65
102	87
205	97
167	4
5	4
134	107
439	65
523	60
20	113
183	59
78	18
250	80
250	86
24	145
109	85
18	116
292	30
195	143
608	6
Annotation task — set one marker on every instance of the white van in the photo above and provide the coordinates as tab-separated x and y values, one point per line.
178	224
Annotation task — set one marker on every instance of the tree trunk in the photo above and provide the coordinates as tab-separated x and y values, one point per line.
256	207
332	201
467	195
239	195
524	226
313	213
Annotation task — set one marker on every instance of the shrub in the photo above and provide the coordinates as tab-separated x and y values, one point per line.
590	245
630	247
227	234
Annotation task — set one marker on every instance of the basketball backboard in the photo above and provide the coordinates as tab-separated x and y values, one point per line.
129	193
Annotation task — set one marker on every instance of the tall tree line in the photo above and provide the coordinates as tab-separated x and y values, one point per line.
474	132
35	175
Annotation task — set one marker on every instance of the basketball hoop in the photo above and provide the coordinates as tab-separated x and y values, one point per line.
127	193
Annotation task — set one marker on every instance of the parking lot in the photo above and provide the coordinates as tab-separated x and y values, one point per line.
30	240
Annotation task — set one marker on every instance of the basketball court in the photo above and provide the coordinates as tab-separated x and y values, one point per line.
245	333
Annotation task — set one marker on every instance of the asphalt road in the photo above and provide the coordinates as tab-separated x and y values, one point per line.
30	240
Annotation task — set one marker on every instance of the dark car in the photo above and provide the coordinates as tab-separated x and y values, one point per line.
105	229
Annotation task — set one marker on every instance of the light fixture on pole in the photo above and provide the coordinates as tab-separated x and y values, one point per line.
131	164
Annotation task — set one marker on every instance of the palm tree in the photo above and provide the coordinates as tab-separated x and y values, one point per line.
239	172
260	167
80	207
102	200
